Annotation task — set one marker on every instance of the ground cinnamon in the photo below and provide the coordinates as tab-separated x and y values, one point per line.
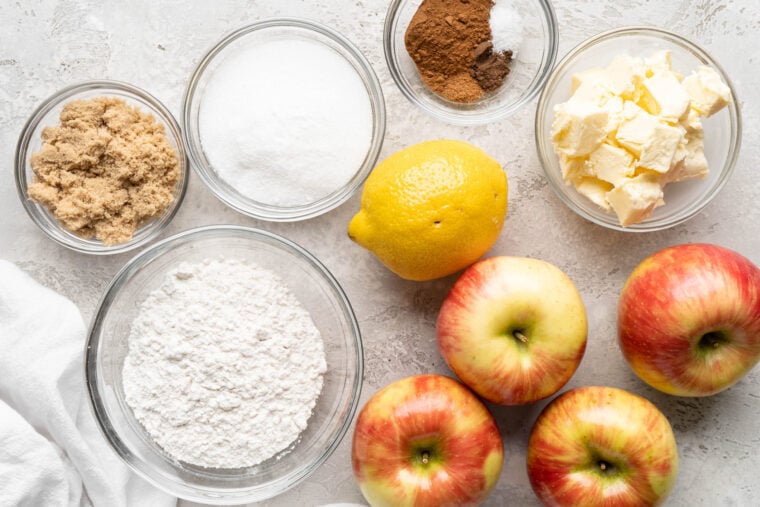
450	42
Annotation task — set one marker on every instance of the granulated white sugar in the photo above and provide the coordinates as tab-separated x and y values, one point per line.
506	27
285	122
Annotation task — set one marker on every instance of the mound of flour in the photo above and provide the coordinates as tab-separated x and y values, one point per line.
224	365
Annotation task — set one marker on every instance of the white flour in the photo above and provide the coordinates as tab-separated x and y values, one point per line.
224	364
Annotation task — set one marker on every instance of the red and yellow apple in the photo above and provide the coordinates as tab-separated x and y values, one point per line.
513	329
426	441
689	319
602	446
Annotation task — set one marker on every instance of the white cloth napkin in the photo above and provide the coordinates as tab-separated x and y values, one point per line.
51	451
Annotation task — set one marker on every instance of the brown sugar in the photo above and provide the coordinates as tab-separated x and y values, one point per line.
106	169
450	42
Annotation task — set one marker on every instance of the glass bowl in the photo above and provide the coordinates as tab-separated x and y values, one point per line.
528	70
47	114
247	37
311	284
683	199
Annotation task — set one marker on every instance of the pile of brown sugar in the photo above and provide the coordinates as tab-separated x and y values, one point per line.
105	170
450	42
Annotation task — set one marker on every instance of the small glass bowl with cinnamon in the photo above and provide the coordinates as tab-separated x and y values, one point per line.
470	63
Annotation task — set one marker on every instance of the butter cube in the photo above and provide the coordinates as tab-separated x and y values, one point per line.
658	62
708	93
692	163
659	151
578	128
595	190
631	110
592	75
625	74
611	164
634	133
692	123
662	95
615	108
635	200
572	168
592	87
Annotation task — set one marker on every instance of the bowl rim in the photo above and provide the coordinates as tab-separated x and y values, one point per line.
263	211
214	495
545	151
51	102
453	116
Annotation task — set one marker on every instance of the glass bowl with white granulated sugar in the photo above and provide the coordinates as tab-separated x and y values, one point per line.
284	119
224	364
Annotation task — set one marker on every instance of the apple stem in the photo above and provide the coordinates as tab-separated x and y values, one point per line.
606	467
520	336
425	457
712	340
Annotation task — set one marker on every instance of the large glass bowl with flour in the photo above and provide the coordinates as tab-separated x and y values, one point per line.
162	349
284	119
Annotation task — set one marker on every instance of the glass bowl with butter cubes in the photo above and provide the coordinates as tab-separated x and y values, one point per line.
638	129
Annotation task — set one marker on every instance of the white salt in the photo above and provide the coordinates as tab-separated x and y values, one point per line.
285	122
506	27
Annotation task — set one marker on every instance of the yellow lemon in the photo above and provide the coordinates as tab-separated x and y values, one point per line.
431	209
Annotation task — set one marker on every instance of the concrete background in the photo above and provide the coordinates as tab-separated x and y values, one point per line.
47	44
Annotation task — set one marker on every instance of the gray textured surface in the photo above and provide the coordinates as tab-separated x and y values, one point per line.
47	44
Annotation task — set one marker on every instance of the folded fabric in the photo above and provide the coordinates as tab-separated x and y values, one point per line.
51	450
